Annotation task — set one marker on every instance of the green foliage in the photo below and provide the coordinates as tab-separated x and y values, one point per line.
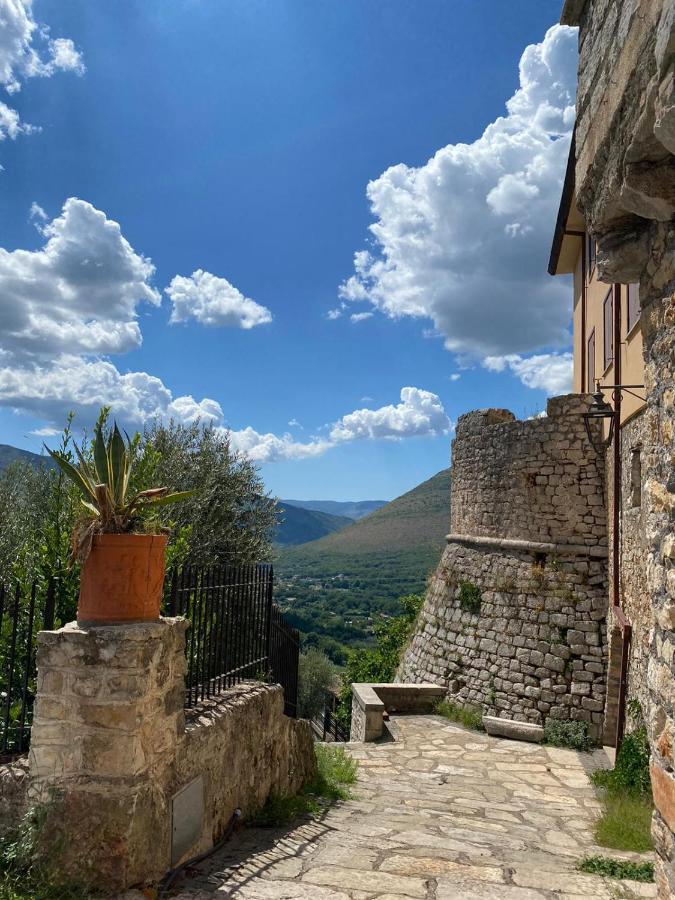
631	770
316	677
299	526
625	822
379	664
469	597
468	716
335	770
23	870
103	477
617	868
573	735
230	519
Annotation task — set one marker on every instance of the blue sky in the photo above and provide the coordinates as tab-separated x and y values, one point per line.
238	139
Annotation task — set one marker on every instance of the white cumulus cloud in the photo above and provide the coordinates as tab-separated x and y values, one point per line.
28	51
550	372
213	301
78	293
420	413
83	386
464	239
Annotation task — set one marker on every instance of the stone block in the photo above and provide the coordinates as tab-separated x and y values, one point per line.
518	731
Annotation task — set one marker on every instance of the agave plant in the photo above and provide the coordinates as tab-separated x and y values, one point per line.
108	505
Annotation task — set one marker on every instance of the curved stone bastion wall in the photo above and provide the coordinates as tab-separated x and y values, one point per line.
514	619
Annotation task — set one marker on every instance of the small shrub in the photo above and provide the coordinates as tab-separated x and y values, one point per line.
468	716
617	868
631	770
573	735
469	597
335	770
625	822
316	676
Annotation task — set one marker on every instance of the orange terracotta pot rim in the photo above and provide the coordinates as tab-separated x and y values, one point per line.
119	539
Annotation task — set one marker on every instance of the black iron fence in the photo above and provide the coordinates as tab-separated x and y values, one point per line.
237	634
327	725
24	610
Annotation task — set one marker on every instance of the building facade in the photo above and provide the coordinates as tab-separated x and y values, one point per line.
624	183
608	351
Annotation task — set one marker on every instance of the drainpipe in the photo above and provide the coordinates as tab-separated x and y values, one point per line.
618	613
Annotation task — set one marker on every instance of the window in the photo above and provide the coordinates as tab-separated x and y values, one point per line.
635	477
590	362
608	329
633	305
590	256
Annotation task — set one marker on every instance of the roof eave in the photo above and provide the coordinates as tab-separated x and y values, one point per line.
563	212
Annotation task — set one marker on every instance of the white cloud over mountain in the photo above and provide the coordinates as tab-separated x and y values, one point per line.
550	372
463	240
28	51
79	293
213	301
419	414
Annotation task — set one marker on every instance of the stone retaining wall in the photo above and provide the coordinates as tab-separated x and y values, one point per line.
529	542
111	749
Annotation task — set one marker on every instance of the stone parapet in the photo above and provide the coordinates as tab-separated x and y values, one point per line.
112	753
535	480
370	701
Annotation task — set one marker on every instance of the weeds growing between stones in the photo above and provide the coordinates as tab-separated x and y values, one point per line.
335	771
468	716
617	868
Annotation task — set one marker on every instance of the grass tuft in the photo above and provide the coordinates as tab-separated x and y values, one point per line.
625	822
617	868
335	770
572	735
468	716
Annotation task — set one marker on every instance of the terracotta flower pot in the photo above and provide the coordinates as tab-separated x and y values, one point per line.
122	579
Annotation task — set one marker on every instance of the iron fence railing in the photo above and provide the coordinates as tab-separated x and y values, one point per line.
237	634
327	725
24	610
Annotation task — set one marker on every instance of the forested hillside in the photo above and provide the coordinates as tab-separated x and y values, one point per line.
332	588
298	526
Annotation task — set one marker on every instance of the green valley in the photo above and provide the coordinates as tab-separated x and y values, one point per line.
334	588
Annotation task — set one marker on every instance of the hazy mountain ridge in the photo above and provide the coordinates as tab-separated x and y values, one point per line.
9	455
352	509
298	525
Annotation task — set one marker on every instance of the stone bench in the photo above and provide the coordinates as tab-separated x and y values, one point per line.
371	701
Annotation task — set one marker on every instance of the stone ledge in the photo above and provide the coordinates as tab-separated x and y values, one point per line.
516	731
371	700
475	540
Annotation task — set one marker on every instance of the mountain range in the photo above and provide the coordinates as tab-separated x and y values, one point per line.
9	455
352	509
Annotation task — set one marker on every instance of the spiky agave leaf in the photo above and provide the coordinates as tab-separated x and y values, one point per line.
119	464
73	473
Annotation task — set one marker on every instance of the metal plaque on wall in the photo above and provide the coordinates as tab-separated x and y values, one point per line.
187	818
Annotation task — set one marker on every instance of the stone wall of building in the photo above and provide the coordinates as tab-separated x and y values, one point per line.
528	551
111	750
625	178
634	596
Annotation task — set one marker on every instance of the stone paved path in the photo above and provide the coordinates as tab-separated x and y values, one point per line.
439	814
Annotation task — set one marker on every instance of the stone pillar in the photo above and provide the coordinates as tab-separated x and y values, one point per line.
108	715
